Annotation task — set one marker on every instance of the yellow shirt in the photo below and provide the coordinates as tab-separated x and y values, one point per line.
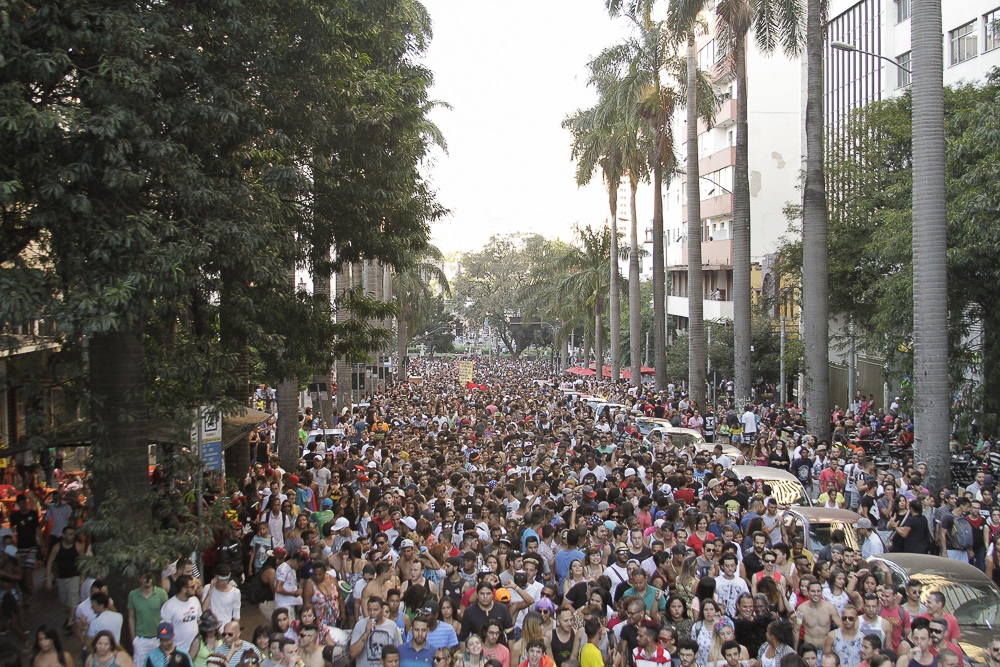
590	656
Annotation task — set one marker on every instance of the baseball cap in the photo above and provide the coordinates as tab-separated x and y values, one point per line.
327	503
10	550
341	523
502	595
714	482
864	524
455	561
603	506
280	552
165	630
405	544
293	479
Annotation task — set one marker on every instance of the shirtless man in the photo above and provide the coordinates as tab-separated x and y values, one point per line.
310	652
385	579
816	615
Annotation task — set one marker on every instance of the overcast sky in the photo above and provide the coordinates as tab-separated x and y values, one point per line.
512	70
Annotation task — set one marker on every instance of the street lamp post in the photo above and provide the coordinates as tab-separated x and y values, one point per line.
850	48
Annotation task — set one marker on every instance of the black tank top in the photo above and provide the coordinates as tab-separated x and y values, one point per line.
453	589
66	562
561	651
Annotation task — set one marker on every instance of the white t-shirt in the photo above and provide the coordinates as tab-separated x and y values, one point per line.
749	421
184	617
285	577
224	604
108	620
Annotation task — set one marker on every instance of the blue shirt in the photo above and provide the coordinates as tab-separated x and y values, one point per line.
564	558
443	636
411	657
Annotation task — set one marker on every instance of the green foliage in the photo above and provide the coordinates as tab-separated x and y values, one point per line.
870	193
164	166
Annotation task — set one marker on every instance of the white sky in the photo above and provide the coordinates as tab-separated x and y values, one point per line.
512	70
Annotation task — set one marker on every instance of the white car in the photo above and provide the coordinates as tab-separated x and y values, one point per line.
682	437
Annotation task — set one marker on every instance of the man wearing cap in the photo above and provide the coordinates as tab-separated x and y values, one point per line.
221	596
453	585
183	611
325	514
439	635
167	653
233	646
871	544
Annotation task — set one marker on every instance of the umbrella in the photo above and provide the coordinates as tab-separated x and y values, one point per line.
577	370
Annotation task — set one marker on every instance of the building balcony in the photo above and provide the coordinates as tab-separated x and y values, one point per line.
716	161
712	310
724	117
720	206
714	253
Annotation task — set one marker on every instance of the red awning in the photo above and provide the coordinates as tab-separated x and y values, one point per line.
577	370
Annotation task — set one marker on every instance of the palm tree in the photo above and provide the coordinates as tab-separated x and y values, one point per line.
772	21
930	293
815	266
413	293
684	19
594	145
656	107
586	280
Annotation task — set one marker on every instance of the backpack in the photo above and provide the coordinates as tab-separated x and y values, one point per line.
961	533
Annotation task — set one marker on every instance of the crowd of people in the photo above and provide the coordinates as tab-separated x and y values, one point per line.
499	524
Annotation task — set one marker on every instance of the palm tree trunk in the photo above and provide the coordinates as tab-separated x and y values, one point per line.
613	287
402	337
930	280
599	335
696	318
741	235
659	273
815	267
634	295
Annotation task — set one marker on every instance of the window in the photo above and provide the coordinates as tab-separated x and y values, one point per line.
963	43
903	77
991	26
902	10
706	57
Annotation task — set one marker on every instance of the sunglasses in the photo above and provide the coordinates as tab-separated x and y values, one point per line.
439	658
769	560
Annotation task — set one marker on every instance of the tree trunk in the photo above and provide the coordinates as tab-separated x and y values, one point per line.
286	436
634	295
343	368
696	320
598	336
613	286
659	277
402	336
321	298
815	267
930	280
120	439
741	235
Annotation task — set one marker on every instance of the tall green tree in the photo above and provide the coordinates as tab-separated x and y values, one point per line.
773	22
586	279
930	280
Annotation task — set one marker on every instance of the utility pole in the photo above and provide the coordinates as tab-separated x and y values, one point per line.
645	361
852	366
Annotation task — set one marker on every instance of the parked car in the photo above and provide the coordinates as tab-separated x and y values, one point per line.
785	487
969	595
682	437
647	424
817	523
